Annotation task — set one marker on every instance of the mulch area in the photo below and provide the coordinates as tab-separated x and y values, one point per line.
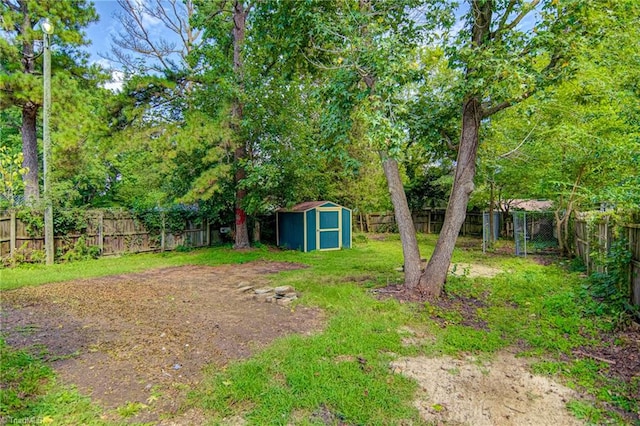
620	351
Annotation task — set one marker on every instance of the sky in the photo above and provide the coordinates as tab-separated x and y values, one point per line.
100	32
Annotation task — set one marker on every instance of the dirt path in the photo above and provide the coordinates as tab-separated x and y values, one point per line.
501	392
145	337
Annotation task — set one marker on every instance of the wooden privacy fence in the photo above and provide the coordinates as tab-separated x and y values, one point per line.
596	239
112	232
590	239
633	235
426	221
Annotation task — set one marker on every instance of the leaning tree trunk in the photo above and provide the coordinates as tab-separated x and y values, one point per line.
562	228
240	153
406	229
30	152
435	274
410	249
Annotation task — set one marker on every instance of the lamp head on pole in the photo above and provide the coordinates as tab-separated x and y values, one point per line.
47	27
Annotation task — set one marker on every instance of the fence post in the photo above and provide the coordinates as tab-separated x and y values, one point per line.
587	248
256	231
101	232
162	235
12	233
524	215
631	266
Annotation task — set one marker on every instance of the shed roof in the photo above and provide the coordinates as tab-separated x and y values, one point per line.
303	207
531	205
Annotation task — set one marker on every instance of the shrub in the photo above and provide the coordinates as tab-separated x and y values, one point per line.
609	286
81	251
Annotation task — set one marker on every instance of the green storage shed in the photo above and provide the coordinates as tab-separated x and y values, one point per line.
314	225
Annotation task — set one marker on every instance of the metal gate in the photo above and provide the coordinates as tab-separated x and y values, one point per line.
520	232
534	232
486	229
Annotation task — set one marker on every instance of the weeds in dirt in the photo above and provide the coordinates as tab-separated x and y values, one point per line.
29	393
130	409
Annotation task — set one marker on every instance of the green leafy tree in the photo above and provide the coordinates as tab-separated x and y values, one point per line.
577	143
366	53
225	25
78	127
505	52
20	80
268	142
11	172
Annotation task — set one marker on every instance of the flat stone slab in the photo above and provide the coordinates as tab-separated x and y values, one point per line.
284	289
263	290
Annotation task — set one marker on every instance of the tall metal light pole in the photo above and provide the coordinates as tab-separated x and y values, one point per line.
47	29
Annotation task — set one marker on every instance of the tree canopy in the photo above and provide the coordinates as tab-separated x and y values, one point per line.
20	50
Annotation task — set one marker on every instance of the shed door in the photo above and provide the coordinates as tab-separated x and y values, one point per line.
329	228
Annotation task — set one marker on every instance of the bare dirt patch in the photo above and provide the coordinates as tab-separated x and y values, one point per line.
145	337
473	270
500	392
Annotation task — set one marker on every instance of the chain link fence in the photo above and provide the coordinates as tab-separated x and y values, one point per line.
534	233
486	229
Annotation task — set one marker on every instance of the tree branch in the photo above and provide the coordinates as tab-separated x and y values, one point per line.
507	154
503	27
448	141
489	111
323	66
504	18
136	38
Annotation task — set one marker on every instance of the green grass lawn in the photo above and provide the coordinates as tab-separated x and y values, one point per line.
343	370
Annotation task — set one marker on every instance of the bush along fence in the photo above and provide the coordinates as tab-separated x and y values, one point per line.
610	252
82	234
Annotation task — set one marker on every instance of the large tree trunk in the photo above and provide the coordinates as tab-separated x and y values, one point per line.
410	249
406	228
240	153
435	274
29	117
30	152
